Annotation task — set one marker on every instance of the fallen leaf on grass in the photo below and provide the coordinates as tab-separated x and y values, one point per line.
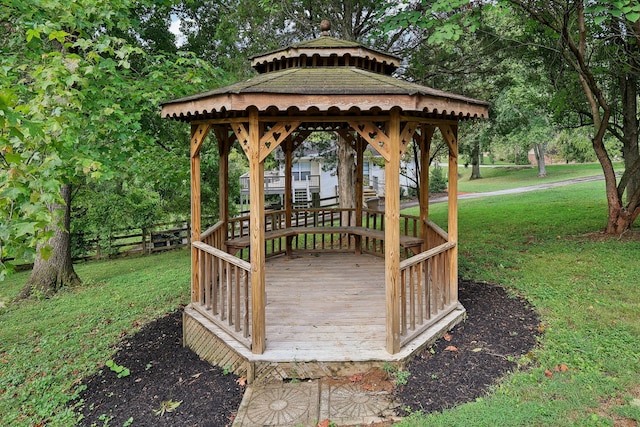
447	337
324	423
451	348
548	373
242	381
561	368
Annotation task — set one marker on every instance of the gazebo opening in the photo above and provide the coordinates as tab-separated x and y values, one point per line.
307	291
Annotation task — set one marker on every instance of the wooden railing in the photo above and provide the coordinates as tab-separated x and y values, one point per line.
426	291
324	219
224	290
224	283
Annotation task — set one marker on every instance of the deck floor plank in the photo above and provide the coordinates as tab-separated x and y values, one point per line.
316	311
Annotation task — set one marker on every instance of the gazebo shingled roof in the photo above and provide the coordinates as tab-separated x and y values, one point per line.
328	77
333	85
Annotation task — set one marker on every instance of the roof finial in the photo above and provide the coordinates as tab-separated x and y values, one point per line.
325	26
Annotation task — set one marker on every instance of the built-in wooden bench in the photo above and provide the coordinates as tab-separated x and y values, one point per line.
407	242
239	243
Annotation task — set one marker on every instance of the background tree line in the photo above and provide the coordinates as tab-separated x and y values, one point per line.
82	146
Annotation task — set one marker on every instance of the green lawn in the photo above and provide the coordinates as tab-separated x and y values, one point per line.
504	177
47	346
537	244
540	245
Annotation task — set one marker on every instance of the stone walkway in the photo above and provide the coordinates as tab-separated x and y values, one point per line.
311	402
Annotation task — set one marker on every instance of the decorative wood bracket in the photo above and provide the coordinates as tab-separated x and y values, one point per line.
348	136
198	134
274	137
299	138
374	136
241	132
450	138
406	136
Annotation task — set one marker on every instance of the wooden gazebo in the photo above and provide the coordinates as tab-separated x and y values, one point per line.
408	264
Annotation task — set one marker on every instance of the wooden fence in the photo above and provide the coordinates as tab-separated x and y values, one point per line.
137	241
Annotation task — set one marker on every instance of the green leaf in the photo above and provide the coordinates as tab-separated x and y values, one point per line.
633	16
13	158
24	228
32	33
58	35
599	19
46	252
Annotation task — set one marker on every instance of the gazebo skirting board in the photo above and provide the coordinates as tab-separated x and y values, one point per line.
319	321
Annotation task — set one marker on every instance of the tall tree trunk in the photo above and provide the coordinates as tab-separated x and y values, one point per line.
540	150
475	160
629	88
51	274
346	178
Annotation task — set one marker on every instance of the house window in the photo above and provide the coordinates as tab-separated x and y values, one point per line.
365	169
301	171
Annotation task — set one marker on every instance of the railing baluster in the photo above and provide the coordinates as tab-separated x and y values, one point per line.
236	274
221	282
207	280
412	298
227	269
403	302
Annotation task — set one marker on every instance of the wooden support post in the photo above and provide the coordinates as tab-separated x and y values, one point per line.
198	134
288	190
360	146
392	235
425	148
224	147
256	233
450	133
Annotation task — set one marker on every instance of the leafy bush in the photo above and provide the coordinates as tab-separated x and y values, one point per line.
437	180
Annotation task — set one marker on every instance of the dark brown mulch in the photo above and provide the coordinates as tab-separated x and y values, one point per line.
162	370
499	328
462	366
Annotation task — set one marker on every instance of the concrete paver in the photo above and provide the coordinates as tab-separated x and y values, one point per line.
307	403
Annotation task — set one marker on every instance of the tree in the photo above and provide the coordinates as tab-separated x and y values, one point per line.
76	98
579	28
582	33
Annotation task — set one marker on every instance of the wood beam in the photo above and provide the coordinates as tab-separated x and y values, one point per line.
274	137
452	229
288	189
392	236
360	145
198	134
426	136
256	230
224	147
374	136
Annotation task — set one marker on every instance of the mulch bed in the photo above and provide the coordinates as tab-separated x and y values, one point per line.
456	369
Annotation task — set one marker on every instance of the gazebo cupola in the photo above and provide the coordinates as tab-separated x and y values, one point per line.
409	285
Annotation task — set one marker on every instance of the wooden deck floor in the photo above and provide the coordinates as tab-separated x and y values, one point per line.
325	316
328	306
